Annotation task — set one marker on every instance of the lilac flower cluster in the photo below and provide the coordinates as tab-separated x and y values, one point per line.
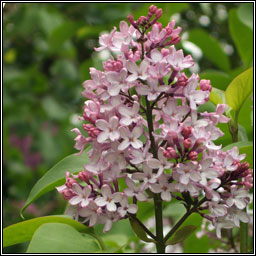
143	127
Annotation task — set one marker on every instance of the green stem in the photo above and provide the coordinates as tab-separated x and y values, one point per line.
185	216
99	239
243	237
160	246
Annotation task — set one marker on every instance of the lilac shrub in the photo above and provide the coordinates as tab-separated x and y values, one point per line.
143	125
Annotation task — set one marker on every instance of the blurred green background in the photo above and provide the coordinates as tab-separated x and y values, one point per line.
47	52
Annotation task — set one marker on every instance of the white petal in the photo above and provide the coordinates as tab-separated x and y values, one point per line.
124	132
133	208
102	124
75	200
106	191
100	201
137	144
195	176
113	77
93	220
153	163
111	206
184	179
141	197
132	67
84	202
114	90
123	145
77	189
114	135
108	226
240	203
103	136
166	196
126	121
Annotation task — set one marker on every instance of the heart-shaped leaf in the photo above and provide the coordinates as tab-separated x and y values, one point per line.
56	176
240	89
61	238
23	231
181	234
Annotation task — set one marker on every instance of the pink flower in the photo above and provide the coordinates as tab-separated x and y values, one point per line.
117	82
153	90
82	195
109	130
195	97
130	115
80	140
238	197
178	61
126	207
108	198
137	72
135	191
91	213
164	187
130	138
161	163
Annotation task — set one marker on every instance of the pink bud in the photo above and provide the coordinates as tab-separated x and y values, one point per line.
193	155
70	182
83	176
186	131
175	39
172	152
187	144
205	85
159	25
164	52
159	13
152	9
130	18
67	194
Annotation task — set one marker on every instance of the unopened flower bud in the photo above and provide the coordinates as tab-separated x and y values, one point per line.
182	80
83	176
187	144
193	155
70	182
159	25
186	131
159	13
205	85
67	194
152	9
130	18
172	152
175	39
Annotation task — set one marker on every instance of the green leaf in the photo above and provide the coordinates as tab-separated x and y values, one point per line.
219	80
181	234
240	89
242	36
56	176
210	47
23	231
139	231
245	14
61	238
217	96
245	147
61	34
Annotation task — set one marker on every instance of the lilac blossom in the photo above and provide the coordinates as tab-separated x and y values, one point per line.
143	125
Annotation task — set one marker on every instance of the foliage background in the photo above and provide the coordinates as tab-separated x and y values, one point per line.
47	52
